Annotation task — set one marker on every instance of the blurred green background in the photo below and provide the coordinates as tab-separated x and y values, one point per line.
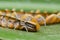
49	5
36	1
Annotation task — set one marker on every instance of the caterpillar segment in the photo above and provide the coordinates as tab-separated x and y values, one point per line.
34	26
41	20
51	19
8	20
11	19
13	22
57	16
18	17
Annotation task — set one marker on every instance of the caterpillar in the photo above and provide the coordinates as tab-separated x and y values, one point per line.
27	21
